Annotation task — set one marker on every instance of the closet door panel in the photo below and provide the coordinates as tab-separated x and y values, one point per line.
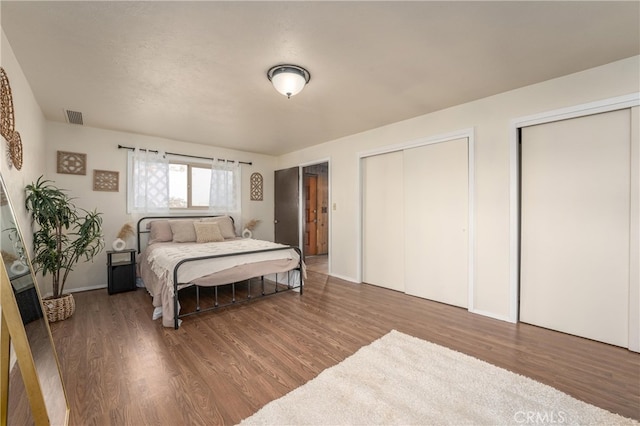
383	213
575	218
436	200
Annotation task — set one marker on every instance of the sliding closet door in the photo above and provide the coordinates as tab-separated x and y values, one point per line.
383	229
436	197
575	218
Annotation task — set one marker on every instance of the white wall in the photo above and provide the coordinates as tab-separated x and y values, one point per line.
103	154
490	117
30	123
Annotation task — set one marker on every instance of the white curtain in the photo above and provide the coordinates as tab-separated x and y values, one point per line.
148	182
224	196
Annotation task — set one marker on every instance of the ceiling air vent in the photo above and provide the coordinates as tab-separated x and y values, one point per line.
73	117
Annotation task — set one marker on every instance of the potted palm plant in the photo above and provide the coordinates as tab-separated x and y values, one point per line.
62	236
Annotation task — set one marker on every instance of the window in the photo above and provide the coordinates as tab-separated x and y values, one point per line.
189	186
185	185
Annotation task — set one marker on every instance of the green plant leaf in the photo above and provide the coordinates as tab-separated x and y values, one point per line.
53	214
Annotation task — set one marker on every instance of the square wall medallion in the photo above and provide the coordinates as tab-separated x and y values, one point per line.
105	180
72	163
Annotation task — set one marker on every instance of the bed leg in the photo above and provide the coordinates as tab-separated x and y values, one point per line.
233	293
262	281
215	289
197	298
301	281
176	324
249	288
276	282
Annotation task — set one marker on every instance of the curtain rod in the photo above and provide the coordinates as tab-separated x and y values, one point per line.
186	155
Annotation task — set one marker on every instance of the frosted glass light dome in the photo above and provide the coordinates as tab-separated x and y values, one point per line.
288	79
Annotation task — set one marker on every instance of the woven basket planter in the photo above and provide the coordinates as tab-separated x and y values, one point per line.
60	308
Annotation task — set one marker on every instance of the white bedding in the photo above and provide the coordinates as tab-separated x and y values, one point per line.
164	258
158	261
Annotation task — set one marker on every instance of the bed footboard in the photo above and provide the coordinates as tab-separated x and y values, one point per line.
297	284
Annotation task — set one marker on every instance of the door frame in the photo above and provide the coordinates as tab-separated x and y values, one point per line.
605	105
468	133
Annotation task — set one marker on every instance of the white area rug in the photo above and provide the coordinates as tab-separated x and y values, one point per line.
402	380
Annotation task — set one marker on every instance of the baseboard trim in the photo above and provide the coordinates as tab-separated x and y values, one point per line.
78	290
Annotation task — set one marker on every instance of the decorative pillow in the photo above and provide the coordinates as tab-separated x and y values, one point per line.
183	231
226	225
159	231
207	232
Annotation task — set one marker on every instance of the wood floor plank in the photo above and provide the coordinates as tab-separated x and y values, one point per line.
122	368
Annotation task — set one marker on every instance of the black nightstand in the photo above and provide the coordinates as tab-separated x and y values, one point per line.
26	297
121	266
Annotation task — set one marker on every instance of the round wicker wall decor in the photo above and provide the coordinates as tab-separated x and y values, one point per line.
15	150
7	120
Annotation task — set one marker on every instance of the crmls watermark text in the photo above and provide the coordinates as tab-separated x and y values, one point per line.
540	417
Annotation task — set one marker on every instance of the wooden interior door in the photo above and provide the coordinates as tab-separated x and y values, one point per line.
321	173
323	209
286	215
311	214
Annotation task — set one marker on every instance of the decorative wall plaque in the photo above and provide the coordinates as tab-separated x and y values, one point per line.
72	163
256	187
105	180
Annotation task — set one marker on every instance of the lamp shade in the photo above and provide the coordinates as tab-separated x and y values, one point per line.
288	79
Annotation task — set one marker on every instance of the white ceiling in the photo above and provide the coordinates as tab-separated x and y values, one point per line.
196	71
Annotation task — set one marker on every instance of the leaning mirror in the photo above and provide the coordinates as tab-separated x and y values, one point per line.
32	388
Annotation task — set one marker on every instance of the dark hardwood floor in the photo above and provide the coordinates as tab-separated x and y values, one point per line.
318	263
121	368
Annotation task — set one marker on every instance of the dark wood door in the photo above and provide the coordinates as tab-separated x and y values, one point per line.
287	216
311	214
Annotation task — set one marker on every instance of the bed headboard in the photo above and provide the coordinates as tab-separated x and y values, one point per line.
142	232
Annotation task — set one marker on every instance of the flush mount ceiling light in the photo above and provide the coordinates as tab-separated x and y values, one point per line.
288	79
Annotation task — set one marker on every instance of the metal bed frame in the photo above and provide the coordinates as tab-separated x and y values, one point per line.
177	315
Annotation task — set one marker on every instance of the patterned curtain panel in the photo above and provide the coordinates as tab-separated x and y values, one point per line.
225	187
148	182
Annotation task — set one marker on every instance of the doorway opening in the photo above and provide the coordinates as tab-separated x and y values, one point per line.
315	223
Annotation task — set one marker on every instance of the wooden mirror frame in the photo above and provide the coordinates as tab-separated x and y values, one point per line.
13	332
